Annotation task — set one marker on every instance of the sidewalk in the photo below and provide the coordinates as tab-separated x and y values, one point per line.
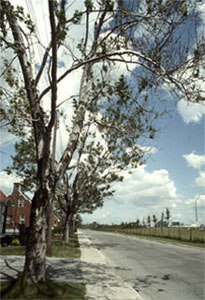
102	283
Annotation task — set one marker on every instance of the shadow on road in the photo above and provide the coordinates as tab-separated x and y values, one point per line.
64	270
149	280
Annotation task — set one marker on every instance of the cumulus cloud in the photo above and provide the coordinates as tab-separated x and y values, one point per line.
197	162
142	193
7	181
147	189
191	112
102	216
200	181
194	160
200	201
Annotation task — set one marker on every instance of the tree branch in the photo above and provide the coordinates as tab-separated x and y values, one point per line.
43	64
54	64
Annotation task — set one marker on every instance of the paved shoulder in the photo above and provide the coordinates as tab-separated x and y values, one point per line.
100	279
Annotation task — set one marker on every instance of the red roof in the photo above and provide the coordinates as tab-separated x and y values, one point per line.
3	196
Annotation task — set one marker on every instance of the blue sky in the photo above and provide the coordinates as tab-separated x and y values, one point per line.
173	141
176	139
173	175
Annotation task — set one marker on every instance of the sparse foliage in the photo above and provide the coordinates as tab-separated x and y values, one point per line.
168	215
154	218
149	221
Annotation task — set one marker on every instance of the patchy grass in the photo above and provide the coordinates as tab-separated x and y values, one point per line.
170	241
12	250
48	290
157	238
59	249
62	249
171	233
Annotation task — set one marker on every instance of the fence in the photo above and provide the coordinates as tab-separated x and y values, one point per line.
178	233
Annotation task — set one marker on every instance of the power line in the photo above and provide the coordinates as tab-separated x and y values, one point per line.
32	13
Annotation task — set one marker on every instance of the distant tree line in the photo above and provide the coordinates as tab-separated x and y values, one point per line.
163	221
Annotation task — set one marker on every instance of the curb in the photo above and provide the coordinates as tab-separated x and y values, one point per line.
101	281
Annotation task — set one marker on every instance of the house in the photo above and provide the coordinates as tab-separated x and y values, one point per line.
17	210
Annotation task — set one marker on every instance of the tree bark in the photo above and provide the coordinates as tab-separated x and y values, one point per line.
66	231
71	225
34	269
49	230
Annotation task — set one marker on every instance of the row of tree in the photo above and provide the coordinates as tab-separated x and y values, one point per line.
158	222
113	113
145	222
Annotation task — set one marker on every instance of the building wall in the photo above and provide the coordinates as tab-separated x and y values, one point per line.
18	209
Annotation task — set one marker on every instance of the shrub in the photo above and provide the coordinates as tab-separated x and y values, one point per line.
15	242
57	230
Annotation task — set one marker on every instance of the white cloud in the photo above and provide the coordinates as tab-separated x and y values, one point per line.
200	181
7	181
141	193
146	189
200	200
103	215
106	215
197	162
191	112
194	160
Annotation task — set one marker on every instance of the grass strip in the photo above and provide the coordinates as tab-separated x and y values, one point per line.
12	250
59	249
159	239
50	289
63	249
170	241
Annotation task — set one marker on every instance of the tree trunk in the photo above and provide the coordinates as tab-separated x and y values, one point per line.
66	232
71	225
66	229
34	269
49	230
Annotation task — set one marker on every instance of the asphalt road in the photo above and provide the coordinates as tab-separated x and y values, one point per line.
156	270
